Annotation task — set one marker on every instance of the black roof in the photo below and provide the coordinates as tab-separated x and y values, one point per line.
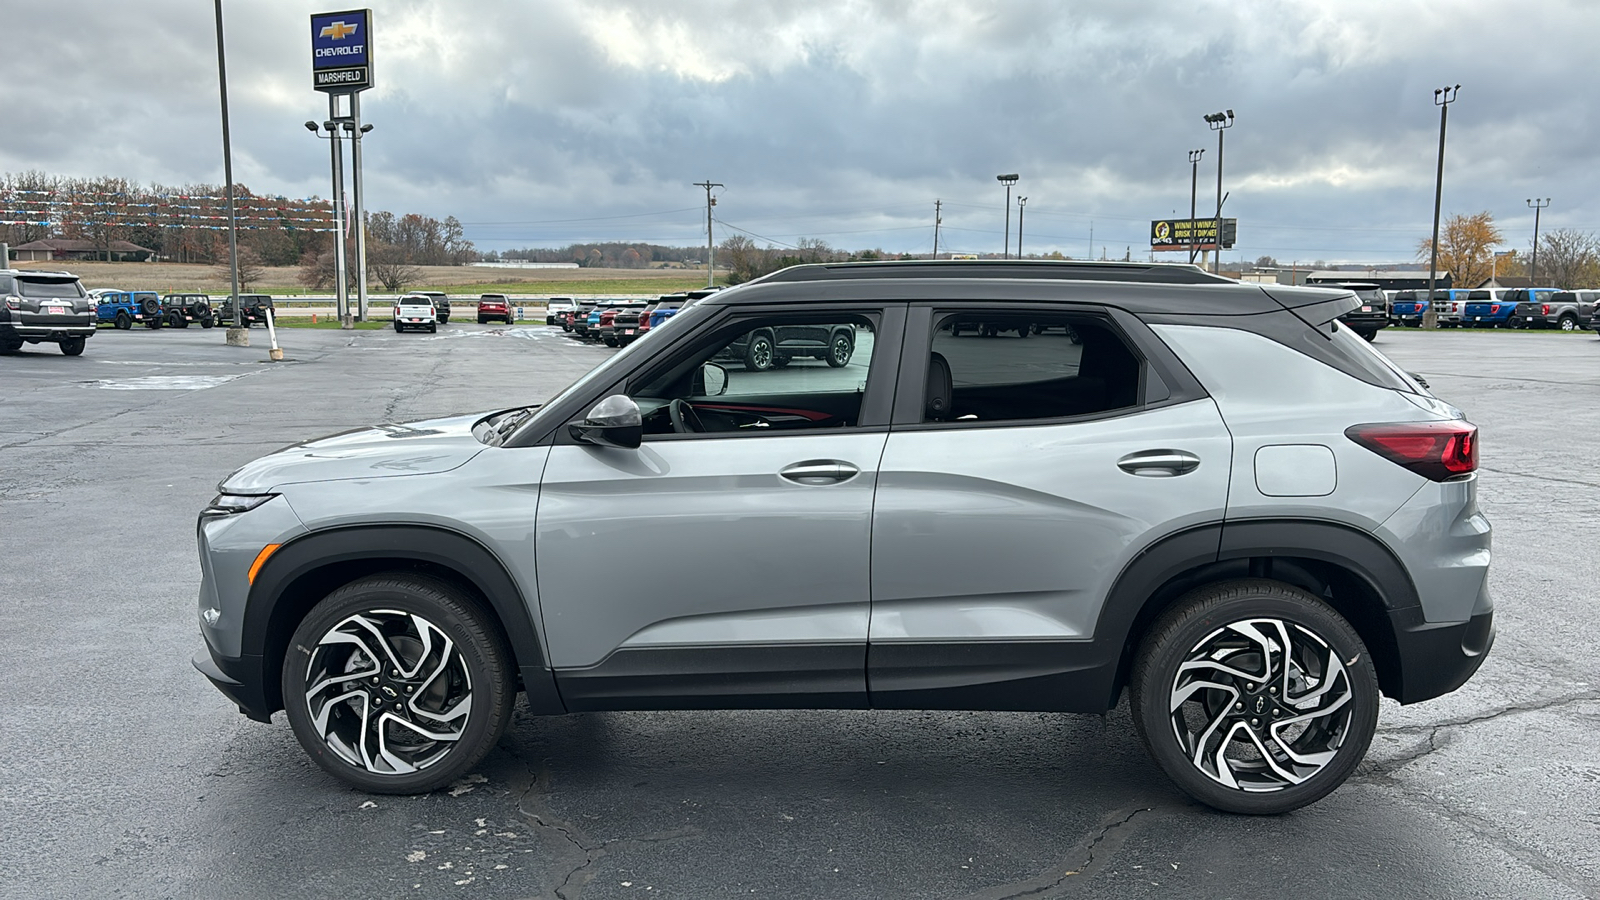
1141	288
1068	270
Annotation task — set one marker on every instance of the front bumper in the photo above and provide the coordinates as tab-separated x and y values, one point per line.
1438	657
238	679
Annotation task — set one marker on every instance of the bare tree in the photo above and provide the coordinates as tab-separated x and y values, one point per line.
1569	258
387	265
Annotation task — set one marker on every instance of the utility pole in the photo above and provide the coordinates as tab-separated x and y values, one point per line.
1091	239
1219	122
237	334
1194	184
1008	181
1022	202
1442	98
711	252
938	219
1533	267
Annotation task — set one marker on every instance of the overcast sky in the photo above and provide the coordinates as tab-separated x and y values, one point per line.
543	123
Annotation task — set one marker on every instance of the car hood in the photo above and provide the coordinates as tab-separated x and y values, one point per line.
381	451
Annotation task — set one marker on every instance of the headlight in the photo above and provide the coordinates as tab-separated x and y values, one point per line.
232	504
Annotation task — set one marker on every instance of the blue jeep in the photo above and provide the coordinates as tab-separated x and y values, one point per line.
124	308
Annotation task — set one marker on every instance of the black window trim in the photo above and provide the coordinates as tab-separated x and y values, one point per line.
1163	380
876	403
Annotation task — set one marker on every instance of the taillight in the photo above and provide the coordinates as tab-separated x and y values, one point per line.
1546	308
1435	450
1494	308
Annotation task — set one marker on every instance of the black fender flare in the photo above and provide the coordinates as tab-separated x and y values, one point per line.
344	549
1181	561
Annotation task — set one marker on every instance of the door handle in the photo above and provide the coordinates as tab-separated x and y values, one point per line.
1159	463
820	471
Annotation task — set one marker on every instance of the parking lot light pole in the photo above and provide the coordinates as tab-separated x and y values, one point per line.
1022	203
357	131
1442	98
1194	184
1537	206
1008	181
1219	122
237	334
341	290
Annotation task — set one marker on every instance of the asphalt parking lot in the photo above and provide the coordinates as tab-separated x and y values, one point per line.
128	775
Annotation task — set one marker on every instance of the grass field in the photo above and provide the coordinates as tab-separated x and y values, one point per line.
454	280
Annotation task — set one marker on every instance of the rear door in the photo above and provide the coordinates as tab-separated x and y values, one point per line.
1028	468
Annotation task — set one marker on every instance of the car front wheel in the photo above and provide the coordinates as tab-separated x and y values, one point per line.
1254	696
397	684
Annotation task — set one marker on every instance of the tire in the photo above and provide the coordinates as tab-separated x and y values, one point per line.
10	347
840	348
433	329
1368	336
462	686
124	321
482	321
759	354
72	346
207	323
1568	323
397	328
1199	628
1515	322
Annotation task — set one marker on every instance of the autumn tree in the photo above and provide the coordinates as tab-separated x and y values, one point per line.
1569	259
1466	248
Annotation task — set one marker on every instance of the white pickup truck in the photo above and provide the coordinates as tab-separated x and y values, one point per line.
415	311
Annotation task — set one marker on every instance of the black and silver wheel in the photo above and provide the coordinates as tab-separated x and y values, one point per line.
759	356
840	349
1254	696
397	684
1568	323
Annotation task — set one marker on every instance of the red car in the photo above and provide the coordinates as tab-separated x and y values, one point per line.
493	307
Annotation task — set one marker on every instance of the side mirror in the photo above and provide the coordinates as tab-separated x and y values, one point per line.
613	422
710	381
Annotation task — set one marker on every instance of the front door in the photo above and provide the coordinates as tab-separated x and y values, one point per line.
725	562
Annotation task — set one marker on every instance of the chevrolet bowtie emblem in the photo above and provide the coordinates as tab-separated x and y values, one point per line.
338	30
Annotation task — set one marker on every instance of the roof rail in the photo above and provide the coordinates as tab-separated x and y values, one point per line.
1054	270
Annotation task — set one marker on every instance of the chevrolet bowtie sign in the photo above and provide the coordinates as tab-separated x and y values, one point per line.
341	51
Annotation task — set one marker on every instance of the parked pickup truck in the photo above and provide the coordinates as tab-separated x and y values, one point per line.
1407	308
1484	310
1566	310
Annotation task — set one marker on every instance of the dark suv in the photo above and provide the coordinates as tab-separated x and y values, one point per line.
1119	504
183	310
252	309
44	307
778	345
1372	316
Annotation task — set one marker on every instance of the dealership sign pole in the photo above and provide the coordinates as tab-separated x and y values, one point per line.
341	66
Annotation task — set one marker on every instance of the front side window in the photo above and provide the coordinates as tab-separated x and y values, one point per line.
987	367
766	376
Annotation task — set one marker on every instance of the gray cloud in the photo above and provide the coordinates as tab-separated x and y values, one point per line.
844	120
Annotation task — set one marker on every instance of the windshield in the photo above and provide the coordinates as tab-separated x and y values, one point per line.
49	287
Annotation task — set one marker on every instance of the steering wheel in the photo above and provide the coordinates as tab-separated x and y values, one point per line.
684	419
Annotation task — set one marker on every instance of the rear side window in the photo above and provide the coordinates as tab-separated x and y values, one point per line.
1370	365
6	285
49	287
987	367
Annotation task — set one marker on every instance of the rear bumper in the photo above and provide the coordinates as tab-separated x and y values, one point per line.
238	679
47	332
1438	657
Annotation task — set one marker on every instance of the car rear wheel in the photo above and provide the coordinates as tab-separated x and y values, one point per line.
397	684
1569	323
758	357
1254	696
124	321
840	349
72	346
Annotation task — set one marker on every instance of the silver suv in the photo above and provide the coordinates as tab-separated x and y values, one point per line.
1031	486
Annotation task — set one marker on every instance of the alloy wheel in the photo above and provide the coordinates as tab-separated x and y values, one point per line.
388	692
1261	704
